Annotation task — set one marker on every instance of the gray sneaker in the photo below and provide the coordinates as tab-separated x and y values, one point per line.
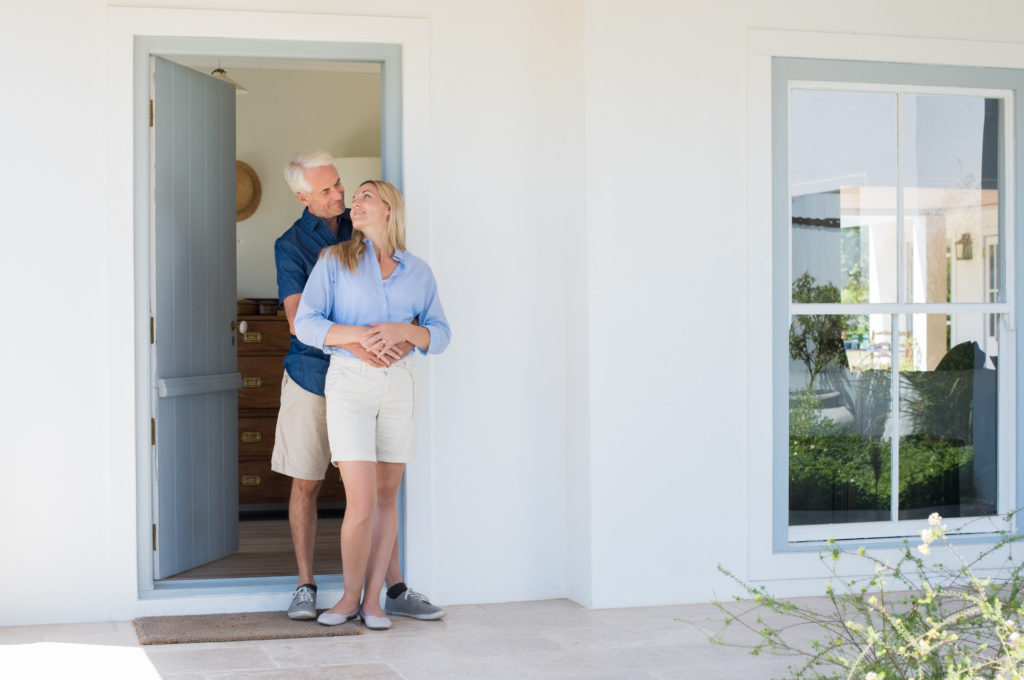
303	607
412	604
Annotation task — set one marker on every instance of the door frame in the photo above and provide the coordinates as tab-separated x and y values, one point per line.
389	55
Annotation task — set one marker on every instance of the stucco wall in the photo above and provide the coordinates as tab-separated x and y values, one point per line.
583	170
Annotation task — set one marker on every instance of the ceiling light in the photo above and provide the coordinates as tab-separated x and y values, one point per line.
221	74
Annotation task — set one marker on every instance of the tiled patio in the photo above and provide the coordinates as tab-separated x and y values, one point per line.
550	639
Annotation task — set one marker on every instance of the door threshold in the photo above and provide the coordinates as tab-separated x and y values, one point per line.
234	586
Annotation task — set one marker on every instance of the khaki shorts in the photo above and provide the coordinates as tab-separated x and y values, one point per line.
301	448
371	412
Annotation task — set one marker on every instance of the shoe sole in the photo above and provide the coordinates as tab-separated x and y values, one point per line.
419	617
301	616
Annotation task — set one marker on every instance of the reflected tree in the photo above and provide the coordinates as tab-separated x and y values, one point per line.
816	340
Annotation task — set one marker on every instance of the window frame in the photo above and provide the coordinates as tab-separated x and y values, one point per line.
825	74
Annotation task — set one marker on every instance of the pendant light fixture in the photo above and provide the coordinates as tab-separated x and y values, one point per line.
221	74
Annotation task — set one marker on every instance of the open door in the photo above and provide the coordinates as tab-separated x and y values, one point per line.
195	379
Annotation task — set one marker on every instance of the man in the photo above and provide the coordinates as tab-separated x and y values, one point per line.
301	449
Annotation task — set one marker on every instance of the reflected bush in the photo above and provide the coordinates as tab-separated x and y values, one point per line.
833	470
839	475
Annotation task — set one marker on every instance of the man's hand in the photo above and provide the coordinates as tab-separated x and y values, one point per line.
370	357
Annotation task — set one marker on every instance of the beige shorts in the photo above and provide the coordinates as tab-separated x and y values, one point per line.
371	412
301	448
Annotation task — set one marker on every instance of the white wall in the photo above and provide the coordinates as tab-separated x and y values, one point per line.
680	276
582	167
487	518
279	116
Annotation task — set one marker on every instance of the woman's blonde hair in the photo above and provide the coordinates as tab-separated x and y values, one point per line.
348	253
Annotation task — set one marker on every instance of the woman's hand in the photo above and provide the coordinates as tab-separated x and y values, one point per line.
383	339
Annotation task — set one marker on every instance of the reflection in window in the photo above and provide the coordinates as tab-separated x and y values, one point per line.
843	191
894	200
839	422
947	394
842	424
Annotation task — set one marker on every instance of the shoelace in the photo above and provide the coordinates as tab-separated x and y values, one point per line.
411	594
304	595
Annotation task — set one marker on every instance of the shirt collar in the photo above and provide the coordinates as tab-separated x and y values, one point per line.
399	255
309	221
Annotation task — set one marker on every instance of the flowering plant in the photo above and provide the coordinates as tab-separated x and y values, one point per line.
910	619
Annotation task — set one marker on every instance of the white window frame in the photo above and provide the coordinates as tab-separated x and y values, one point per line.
1005	400
771	555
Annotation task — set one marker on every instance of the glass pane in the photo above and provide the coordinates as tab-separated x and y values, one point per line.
947	448
839	420
951	197
843	197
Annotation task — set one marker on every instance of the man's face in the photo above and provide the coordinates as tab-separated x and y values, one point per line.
326	198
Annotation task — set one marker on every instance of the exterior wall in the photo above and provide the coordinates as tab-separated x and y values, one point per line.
581	174
680	435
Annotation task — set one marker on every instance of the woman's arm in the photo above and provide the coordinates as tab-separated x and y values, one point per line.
379	337
433	319
340	335
316	304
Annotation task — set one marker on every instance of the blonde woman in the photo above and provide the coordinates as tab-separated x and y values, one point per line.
370	290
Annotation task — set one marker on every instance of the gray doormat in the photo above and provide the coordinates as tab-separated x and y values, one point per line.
169	630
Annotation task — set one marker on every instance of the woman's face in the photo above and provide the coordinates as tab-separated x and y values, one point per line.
369	211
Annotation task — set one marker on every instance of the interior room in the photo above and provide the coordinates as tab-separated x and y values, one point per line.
282	106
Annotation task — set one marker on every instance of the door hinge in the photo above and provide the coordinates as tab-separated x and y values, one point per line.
152	331
150	113
154	537
152	431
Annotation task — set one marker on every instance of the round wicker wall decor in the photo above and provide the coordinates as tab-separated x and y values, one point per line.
247	191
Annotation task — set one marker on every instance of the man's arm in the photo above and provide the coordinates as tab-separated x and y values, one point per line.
291	305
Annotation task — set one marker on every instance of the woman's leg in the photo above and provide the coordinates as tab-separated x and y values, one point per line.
360	481
385	530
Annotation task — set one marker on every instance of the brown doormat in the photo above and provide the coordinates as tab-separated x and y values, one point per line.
169	630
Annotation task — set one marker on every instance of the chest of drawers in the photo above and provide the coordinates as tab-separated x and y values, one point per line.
261	351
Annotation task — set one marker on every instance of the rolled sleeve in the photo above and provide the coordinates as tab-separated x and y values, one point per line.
313	318
434	320
291	270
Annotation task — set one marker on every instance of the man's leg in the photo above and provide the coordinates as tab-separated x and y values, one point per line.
302	521
394	574
301	452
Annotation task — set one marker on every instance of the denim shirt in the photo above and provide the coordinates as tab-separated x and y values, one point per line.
295	254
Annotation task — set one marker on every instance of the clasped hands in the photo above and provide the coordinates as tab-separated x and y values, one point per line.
381	344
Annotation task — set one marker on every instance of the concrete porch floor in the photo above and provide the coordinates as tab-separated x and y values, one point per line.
551	639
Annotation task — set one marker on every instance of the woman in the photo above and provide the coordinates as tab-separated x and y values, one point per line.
370	290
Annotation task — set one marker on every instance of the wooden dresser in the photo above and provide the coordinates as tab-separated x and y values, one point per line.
261	351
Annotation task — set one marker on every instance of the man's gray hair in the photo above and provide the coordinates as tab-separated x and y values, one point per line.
295	169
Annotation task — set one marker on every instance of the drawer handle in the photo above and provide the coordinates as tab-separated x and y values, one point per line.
252	382
252	437
252	337
252	480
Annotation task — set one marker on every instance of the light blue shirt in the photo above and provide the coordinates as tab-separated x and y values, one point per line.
333	294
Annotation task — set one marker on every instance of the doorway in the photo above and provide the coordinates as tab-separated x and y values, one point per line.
272	69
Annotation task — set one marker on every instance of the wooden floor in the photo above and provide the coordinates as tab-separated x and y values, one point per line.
265	549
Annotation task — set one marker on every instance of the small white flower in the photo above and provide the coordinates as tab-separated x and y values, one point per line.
924	549
871	676
927	536
935	519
